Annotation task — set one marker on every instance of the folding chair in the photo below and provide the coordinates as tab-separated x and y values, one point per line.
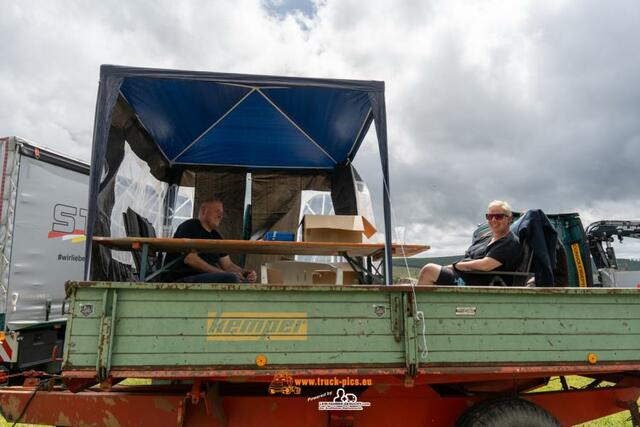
148	263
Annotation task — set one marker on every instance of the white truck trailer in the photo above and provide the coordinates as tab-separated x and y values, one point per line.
42	243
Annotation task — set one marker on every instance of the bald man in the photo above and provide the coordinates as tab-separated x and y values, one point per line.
197	267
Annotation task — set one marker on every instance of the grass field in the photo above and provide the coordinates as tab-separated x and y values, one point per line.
621	419
401	272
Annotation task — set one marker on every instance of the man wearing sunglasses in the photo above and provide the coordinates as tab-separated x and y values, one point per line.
501	253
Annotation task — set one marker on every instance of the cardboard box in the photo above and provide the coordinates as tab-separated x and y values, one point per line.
290	272
336	228
328	277
274	276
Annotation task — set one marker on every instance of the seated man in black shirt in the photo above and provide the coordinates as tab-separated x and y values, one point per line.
206	267
502	253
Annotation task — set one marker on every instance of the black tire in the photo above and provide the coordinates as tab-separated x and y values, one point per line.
506	412
478	408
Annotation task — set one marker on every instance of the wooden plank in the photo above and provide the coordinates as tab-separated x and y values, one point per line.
184	304
431	293
350	359
530	342
152	345
449	293
198	326
444	358
539	296
258	246
364	358
454	293
531	356
568	300
583	300
471	326
273	296
202	309
526	310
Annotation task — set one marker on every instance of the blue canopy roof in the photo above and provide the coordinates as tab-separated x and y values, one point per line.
253	125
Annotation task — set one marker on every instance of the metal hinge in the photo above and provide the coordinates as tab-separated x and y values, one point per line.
412	352
105	334
397	315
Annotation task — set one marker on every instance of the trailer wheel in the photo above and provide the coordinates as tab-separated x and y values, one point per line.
506	412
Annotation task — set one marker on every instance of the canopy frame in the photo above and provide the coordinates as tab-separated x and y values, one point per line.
112	78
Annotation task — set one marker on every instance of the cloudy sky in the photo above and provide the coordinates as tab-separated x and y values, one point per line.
533	102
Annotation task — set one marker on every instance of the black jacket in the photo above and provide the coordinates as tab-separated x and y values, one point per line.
535	230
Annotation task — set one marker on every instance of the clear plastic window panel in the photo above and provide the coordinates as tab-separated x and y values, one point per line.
182	209
137	189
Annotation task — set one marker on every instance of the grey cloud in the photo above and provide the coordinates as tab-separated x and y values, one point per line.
539	108
577	141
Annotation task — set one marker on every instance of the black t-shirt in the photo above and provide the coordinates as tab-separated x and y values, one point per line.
192	229
506	250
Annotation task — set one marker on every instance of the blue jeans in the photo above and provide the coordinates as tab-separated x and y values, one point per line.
211	278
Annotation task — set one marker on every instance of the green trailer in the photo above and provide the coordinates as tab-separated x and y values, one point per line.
428	354
298	354
164	326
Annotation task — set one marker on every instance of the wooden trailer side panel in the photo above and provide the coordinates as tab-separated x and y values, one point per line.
507	326
129	325
158	325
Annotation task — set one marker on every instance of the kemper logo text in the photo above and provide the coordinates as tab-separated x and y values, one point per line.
258	326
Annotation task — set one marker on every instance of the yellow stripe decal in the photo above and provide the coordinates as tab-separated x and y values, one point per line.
582	275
